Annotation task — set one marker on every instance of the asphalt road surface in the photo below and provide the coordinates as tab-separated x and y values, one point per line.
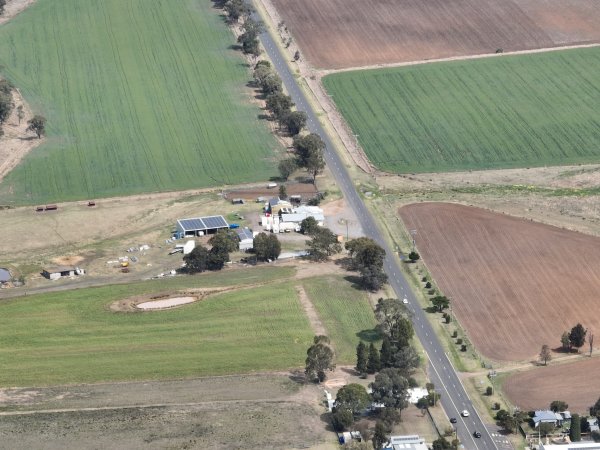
454	399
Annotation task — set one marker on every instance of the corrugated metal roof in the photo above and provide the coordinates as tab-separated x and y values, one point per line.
244	233
4	275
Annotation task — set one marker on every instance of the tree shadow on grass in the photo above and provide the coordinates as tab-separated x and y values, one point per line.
354	281
372	335
297	376
326	419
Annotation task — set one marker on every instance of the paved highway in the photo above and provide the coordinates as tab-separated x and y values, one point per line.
454	398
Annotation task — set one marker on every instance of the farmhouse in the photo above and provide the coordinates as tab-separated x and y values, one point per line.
199	226
246	238
547	417
408	442
54	273
280	216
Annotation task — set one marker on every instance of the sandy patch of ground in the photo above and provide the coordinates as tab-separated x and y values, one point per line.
70	260
14	7
16	142
166	303
341	219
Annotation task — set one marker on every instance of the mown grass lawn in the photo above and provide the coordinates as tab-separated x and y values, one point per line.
140	95
345	312
72	337
510	111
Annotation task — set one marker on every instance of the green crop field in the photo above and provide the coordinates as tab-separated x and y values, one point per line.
140	95
511	111
345	312
72	337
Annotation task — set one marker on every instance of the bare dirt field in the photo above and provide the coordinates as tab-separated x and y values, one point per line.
257	411
508	278
306	190
535	389
340	33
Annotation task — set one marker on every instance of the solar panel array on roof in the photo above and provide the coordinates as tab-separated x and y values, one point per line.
214	222
203	223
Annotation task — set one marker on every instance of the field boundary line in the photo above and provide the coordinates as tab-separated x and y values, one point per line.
311	312
323	72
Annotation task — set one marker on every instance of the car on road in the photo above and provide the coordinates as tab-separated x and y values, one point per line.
405	301
452	419
476	434
465	413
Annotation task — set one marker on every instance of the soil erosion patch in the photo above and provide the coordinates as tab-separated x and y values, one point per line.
515	285
535	389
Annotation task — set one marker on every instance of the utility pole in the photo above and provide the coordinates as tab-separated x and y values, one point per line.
413	234
591	342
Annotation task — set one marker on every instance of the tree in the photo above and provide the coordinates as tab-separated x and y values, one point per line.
546	428
361	358
565	341
20	112
390	388
373	363
558	406
6	106
393	322
309	150
575	433
379	436
577	336
224	241
261	73
236	9
365	251
309	226
217	258
38	125
323	244
287	167
341	419
510	423
2	4
295	122
595	410
271	83
545	354
404	358
352	397
501	415
249	38
267	247
441	443
413	256
372	278
297	55
279	104
320	358
440	302
385	354
197	260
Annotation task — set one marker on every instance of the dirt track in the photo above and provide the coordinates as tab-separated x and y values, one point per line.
515	285
574	383
340	33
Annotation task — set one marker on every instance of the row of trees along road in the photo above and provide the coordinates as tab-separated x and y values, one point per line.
200	259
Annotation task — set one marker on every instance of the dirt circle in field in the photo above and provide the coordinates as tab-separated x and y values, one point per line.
67	260
161	301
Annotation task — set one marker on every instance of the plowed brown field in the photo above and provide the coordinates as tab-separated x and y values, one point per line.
574	383
335	34
515	285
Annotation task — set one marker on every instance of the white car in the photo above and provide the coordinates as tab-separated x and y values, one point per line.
405	301
465	413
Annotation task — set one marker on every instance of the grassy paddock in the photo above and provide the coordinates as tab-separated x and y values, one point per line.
512	111
345	312
71	337
140	95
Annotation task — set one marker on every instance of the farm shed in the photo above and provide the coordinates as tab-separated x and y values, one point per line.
199	226
4	276
246	239
54	273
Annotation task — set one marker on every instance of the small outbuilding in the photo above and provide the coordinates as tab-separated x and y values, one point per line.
54	273
200	226
4	276
408	442
246	238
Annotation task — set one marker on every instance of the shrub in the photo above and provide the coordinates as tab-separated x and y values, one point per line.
341	419
412	382
463	348
431	291
428	285
454	333
496	406
489	391
424	279
459	341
